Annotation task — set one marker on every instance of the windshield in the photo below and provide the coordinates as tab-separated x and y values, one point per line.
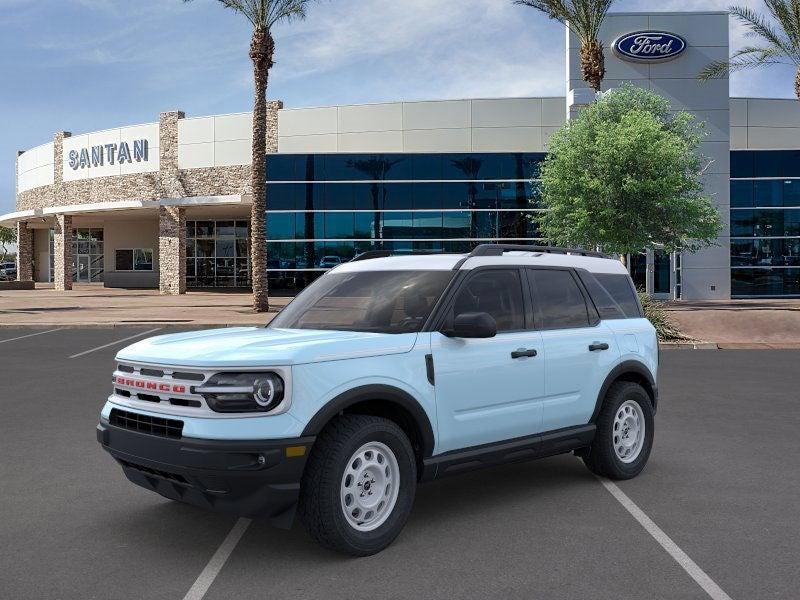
374	301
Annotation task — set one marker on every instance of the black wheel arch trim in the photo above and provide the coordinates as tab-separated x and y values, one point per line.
624	368
375	392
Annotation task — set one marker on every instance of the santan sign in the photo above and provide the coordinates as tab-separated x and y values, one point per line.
649	46
97	156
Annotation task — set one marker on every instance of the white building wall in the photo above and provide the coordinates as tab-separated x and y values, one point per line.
706	274
215	141
765	124
87	141
480	125
35	167
41	256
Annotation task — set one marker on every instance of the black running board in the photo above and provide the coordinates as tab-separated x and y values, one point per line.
519	449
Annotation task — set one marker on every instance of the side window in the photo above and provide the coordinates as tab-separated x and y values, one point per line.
495	291
558	299
607	307
620	289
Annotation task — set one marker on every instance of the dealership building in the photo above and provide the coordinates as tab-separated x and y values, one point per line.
167	204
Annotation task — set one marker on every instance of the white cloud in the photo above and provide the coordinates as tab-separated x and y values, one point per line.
427	49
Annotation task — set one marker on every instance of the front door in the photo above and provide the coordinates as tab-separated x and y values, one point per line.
83	268
579	349
489	389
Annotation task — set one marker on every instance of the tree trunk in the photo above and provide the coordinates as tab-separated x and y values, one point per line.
262	47
376	217
623	258
593	64
797	84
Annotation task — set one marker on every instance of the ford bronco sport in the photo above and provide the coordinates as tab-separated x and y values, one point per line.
385	372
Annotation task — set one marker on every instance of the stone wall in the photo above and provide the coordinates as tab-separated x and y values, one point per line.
62	253
172	250
24	252
216	181
169	177
169	182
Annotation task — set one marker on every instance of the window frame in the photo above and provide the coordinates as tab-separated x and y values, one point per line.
133	261
593	317
439	313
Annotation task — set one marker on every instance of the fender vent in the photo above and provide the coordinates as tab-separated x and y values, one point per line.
170	428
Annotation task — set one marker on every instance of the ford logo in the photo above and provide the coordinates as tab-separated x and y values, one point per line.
649	46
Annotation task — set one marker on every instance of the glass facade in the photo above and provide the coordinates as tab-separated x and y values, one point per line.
326	208
217	254
765	223
88	262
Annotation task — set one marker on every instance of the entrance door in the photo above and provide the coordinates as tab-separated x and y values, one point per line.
662	270
83	268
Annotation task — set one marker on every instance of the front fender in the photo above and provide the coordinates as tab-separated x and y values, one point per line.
322	390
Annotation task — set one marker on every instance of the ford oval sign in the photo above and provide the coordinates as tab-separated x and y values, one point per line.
649	46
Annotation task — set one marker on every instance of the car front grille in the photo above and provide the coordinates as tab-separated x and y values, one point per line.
157	472
169	428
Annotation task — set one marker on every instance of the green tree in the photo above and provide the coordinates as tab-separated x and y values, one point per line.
7	236
778	37
625	176
263	15
584	19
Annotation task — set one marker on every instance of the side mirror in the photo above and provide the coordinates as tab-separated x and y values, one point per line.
474	325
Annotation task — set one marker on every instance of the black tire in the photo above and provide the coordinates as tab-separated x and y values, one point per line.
600	457
320	505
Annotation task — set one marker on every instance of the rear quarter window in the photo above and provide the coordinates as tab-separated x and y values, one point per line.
612	294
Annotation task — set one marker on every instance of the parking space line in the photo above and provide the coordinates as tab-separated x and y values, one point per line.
115	342
214	566
22	337
695	572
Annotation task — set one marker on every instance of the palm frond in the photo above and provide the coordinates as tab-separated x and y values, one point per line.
285	10
759	26
583	17
715	70
745	58
263	14
785	13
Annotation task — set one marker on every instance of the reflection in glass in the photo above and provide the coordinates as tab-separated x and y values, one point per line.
212	251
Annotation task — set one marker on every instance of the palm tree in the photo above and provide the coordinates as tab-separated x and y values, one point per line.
584	19
471	167
376	168
262	15
780	41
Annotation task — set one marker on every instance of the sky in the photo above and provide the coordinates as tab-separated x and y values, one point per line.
86	65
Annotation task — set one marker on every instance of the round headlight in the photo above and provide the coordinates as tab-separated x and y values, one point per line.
242	392
264	392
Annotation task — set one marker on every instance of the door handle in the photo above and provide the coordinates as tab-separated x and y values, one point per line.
598	346
521	353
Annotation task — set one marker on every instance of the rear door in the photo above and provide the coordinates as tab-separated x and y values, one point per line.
491	389
579	349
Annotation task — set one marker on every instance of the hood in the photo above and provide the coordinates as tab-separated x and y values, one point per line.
260	346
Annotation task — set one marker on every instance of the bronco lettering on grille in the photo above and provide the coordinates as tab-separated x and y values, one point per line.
149	385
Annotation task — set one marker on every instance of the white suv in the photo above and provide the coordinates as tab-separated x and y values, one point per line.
389	371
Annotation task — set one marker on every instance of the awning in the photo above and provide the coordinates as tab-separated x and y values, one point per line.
11	219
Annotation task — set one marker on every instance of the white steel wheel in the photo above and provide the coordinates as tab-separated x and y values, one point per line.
629	431
370	485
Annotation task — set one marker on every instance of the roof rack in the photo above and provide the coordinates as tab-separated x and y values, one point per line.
369	254
500	249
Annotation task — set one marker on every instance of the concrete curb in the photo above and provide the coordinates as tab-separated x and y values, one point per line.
688	345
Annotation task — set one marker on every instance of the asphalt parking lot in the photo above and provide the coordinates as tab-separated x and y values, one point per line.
722	483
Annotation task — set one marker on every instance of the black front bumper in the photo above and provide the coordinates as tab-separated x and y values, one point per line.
255	479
